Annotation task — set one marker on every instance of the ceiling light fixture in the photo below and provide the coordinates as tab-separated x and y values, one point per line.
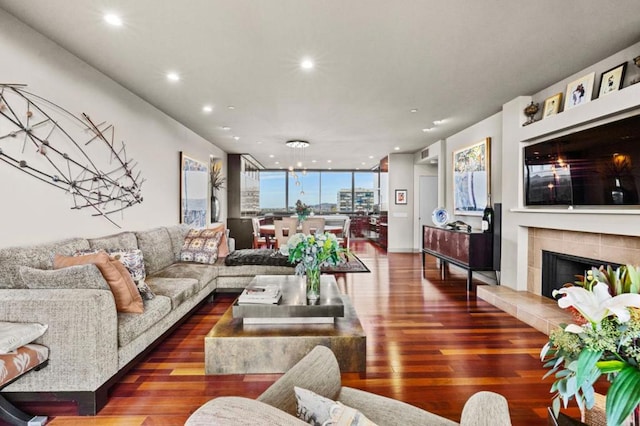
306	64
437	122
297	143
173	76
231	107
237	138
427	129
113	19
207	108
226	128
413	111
397	148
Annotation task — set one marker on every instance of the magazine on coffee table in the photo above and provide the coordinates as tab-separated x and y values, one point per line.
266	295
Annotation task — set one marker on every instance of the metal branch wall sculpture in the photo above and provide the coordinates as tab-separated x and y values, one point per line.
51	144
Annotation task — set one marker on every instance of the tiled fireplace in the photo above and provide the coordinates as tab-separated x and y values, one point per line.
615	249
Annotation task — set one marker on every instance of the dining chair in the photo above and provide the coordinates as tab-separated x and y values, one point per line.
343	240
313	225
258	240
284	229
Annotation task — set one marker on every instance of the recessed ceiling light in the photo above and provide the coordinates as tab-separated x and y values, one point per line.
314	161
277	162
207	108
328	161
371	156
436	122
357	168
306	64
259	142
330	168
397	148
226	128
237	138
173	76
271	155
363	163
231	107
427	129
113	19
414	110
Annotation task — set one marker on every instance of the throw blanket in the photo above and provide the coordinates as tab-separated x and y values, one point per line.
268	257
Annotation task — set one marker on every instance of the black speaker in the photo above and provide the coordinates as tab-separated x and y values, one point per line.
497	235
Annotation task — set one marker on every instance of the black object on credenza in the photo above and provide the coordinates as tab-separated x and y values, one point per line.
472	251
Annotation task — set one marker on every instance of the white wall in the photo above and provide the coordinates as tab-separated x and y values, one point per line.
401	223
488	128
516	218
33	211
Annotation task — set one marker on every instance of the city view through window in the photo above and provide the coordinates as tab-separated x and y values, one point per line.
322	191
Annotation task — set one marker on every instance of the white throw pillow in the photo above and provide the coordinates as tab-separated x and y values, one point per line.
320	411
15	334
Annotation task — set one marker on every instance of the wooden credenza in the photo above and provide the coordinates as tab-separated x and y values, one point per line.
471	251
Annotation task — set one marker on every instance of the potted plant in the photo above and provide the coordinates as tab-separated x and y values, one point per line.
604	340
310	252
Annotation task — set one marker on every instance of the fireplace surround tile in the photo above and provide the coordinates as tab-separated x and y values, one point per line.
621	241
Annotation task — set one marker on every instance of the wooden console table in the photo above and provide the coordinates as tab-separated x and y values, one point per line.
471	251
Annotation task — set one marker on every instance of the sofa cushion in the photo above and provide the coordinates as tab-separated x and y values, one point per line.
25	358
79	276
16	334
126	240
157	249
177	234
202	272
223	248
319	411
176	289
268	257
130	326
124	290
201	246
37	256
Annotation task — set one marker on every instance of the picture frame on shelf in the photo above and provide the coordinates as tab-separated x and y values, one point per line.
194	191
472	178
579	91
611	81
401	196
552	105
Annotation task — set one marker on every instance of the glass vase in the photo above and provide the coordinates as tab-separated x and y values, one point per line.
313	284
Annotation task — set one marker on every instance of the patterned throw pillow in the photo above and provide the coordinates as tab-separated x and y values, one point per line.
133	260
201	246
320	411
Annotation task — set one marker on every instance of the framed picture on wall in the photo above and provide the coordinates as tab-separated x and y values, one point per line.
611	80
552	105
401	196
471	178
194	191
579	91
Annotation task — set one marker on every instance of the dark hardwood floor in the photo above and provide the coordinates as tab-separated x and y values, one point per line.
429	343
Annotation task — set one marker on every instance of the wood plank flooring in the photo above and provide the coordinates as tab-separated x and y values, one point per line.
429	343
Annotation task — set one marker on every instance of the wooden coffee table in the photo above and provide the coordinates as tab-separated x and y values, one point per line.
235	347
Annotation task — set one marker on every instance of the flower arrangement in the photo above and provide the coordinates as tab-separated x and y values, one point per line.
310	252
217	180
302	210
606	308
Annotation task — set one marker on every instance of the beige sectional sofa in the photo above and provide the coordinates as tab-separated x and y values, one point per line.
91	345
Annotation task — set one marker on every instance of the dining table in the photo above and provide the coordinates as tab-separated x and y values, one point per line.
269	231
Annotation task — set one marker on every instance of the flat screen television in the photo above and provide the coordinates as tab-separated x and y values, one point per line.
599	166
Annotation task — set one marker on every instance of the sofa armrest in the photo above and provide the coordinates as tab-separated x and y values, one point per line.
318	372
82	336
386	411
486	409
238	411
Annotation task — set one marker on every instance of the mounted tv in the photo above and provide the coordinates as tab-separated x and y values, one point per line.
599	166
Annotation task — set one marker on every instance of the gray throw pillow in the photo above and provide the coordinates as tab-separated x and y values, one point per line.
80	276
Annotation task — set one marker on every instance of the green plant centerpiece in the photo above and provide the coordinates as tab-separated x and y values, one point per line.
302	210
310	253
604	340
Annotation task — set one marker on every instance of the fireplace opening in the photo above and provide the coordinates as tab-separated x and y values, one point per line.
559	269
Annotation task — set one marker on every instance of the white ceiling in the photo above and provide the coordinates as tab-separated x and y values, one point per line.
375	60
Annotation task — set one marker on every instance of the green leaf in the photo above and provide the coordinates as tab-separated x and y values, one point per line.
623	395
612	366
586	363
556	406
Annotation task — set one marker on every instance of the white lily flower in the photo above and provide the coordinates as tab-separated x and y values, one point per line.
598	304
574	328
